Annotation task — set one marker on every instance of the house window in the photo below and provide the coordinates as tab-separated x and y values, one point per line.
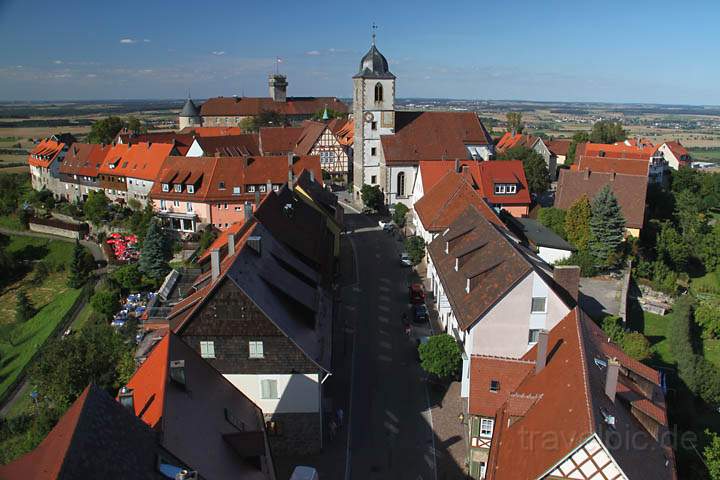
176	203
538	305
191	188
533	335
499	189
401	184
373	126
378	92
268	389
163	205
373	179
263	188
276	188
165	187
236	190
256	350
373	151
225	205
486	427
494	385
511	188
221	185
207	349
251	188
189	207
178	187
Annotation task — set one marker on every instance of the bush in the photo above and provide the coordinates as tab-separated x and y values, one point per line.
582	259
612	326
372	196
23	308
128	277
105	302
554	219
415	248
441	356
400	213
40	273
636	345
707	316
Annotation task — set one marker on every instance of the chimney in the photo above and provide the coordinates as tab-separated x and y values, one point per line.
457	165
125	397
568	277
542	344
611	380
247	210
215	263
268	188
231	244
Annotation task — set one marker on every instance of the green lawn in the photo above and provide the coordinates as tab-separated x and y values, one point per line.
82	318
53	252
656	331
11	222
705	154
26	338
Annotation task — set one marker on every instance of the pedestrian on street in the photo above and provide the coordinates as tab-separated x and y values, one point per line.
340	414
408	330
333	429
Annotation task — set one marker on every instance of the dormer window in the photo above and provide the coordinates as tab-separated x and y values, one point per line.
236	190
177	372
467	286
276	188
505	188
221	185
262	188
178	187
457	263
191	188
251	188
165	187
494	385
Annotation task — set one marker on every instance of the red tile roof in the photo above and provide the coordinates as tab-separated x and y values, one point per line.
617	151
447	199
137	160
344	131
558	147
230	145
217	176
45	153
616	165
484	369
677	149
84	159
279	140
251	106
181	141
308	138
212	131
433	136
630	191
508	141
569	400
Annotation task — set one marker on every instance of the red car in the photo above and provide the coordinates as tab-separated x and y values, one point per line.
417	293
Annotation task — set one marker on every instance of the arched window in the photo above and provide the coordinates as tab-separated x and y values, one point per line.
378	92
401	184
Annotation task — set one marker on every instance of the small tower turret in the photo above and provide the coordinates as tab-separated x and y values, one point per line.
278	87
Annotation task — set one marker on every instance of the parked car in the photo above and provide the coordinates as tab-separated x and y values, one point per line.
420	313
388	227
417	293
405	259
386	224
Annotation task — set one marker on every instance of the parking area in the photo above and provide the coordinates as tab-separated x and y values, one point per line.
600	296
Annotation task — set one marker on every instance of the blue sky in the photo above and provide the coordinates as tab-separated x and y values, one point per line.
560	50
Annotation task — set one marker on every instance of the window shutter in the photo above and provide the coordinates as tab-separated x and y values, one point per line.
474	426
265	389
273	389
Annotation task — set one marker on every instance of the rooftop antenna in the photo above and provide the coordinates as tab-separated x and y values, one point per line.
374	28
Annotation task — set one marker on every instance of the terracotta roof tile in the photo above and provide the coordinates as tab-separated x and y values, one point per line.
485	369
279	140
558	147
251	106
508	141
616	165
181	141
84	159
230	145
137	160
212	131
45	153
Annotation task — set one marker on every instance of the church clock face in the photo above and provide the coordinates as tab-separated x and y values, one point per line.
369	117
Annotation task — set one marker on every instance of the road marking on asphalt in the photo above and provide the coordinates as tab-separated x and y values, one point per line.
348	206
384	358
384	298
383	308
383	288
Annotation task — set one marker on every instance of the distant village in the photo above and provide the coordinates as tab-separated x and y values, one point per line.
246	351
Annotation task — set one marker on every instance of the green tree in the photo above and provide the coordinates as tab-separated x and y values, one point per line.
685	179
207	237
671	247
372	196
441	356
96	207
691	219
155	252
81	265
415	248
712	454
534	165
578	137
577	223
514	122
399	214
128	277
11	190
554	219
135	125
267	118
710	251
607	131
139	221
41	270
105	302
607	226
24	310
612	326
637	346
707	316
68	365
105	130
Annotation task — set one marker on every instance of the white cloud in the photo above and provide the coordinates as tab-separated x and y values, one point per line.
218	52
146	40
58	62
61	75
127	41
91	75
313	53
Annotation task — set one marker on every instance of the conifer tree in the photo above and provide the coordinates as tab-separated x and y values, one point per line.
577	223
607	226
78	272
154	255
23	308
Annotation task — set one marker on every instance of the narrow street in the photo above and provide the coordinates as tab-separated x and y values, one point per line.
390	433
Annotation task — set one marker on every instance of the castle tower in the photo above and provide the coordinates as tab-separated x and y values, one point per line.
189	115
278	87
374	114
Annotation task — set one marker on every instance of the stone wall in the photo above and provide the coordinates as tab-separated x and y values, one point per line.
35	227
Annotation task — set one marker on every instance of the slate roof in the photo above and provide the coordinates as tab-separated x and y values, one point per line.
569	404
95	438
84	159
175	413
487	259
189	109
374	65
433	136
630	191
449	198
45	153
262	277
538	234
230	145
252	106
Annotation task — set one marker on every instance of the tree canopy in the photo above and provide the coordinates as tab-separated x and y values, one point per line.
514	122
96	207
415	248
607	227
577	223
372	196
554	219
105	130
155	252
441	356
607	131
578	137
536	171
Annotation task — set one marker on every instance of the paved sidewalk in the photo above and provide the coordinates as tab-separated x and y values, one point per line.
450	434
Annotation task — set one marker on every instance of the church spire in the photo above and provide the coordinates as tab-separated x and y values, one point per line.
374	28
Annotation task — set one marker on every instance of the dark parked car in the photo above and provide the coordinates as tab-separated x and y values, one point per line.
417	293
420	313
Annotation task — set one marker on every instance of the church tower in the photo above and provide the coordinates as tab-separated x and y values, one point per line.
374	115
